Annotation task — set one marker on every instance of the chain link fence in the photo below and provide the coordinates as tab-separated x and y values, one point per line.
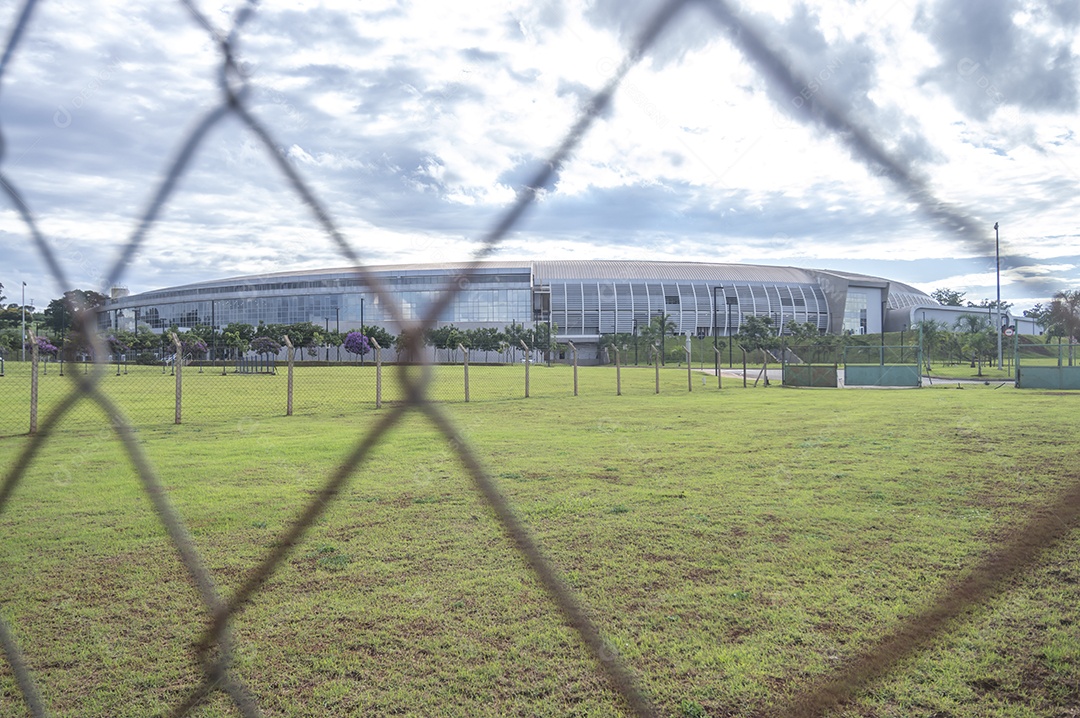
216	645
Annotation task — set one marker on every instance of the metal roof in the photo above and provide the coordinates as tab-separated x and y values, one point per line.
666	271
546	271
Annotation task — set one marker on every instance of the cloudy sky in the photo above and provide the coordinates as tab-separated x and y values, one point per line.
417	122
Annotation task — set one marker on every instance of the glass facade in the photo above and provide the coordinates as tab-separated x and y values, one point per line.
855	313
334	302
497	294
603	307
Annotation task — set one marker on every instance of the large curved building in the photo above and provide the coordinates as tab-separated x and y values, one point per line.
584	299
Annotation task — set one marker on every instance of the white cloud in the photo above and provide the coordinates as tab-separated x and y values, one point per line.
416	125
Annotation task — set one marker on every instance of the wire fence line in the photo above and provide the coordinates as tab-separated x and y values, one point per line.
419	389
235	391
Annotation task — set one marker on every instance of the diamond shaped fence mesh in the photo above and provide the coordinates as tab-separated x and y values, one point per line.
84	398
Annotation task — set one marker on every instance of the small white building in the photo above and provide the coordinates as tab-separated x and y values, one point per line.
949	316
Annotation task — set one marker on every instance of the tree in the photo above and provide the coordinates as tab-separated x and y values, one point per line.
621	341
44	346
241	330
357	343
265	345
485	339
445	337
302	335
1065	316
10	339
948	297
756	332
933	334
204	332
659	327
192	345
1064	311
991	304
143	342
1040	313
978	337
514	334
800	334
383	337
67	312
544	337
236	338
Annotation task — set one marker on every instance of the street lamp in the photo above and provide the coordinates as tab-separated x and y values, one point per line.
715	344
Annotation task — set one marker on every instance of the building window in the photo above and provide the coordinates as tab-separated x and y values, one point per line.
855	313
671	299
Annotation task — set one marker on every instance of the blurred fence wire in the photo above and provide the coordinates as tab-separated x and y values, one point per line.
215	392
417	389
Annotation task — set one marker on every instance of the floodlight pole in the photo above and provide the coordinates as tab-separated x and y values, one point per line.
997	262
22	355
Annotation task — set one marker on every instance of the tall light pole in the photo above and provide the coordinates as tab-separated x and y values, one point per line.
727	325
23	351
997	262
714	309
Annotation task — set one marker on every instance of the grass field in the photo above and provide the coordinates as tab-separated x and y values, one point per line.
732	545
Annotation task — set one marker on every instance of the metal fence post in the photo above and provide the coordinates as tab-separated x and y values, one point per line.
618	372
178	364
527	362
378	372
719	381
465	353
574	350
743	368
689	368
33	380
289	403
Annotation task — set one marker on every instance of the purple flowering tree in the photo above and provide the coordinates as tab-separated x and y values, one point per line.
357	343
44	347
193	345
265	345
116	346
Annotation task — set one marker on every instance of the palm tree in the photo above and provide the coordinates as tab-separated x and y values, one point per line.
660	326
933	333
976	329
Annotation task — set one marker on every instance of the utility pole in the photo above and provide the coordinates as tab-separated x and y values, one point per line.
997	261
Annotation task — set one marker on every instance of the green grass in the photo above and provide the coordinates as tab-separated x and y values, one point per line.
731	545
